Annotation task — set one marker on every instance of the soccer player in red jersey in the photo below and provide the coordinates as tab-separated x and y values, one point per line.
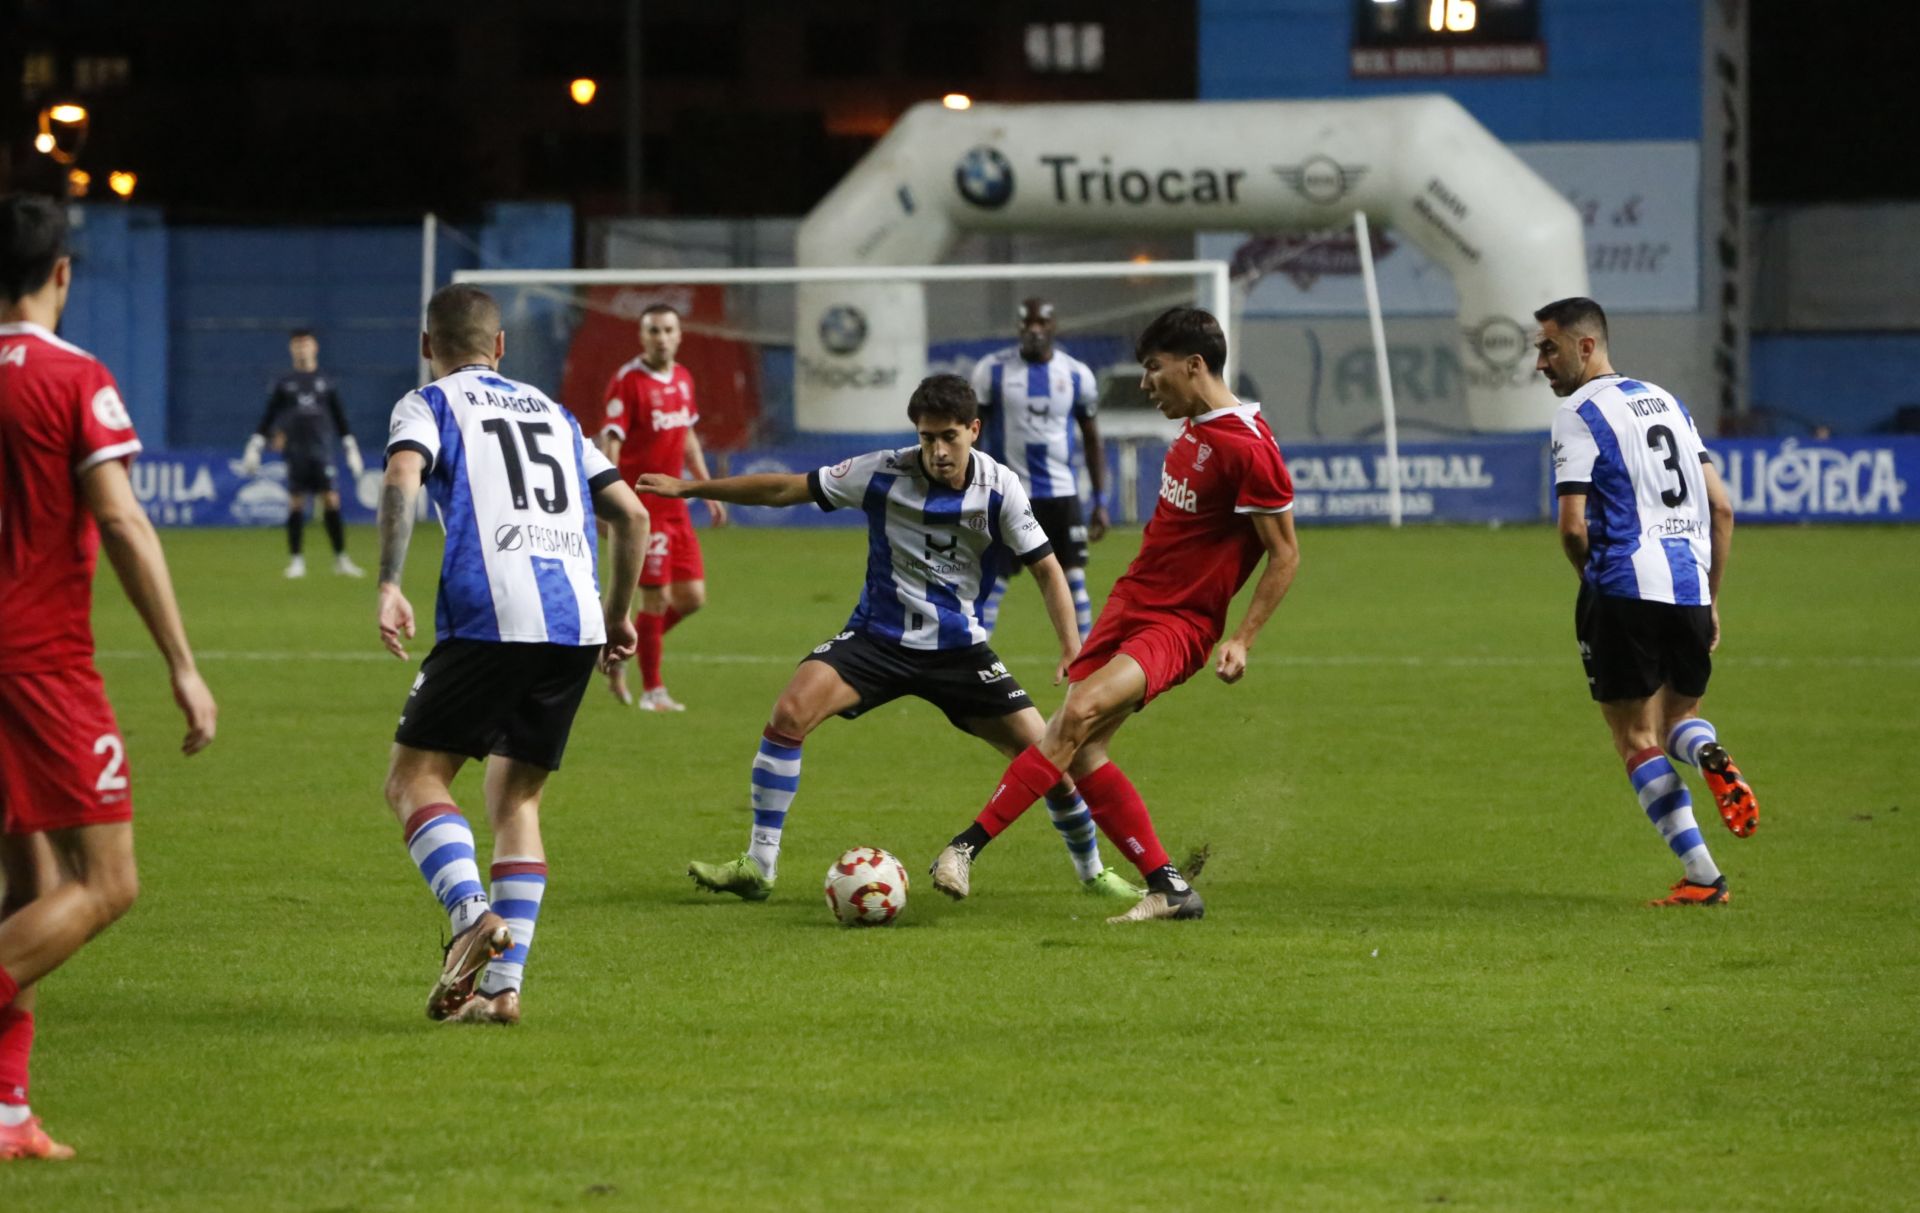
1225	500
66	811
649	428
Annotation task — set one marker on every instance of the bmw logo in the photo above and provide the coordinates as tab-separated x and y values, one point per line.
843	329
984	178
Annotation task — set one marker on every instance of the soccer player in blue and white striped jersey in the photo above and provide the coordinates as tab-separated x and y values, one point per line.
1647	524
518	626
942	518
1033	397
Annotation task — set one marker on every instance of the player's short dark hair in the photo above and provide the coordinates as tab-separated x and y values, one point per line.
462	319
1576	314
943	398
301	334
1183	331
655	309
33	236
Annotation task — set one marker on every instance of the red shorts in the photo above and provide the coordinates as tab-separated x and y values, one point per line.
1169	649
62	760
673	554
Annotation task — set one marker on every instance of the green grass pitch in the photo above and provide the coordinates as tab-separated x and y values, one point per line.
1427	978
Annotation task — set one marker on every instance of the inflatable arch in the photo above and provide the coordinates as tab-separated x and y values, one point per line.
1421	164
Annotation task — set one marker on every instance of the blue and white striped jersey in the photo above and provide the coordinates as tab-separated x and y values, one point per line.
514	483
1028	410
1632	449
933	552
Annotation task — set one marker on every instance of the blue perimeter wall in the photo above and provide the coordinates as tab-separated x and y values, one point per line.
193	321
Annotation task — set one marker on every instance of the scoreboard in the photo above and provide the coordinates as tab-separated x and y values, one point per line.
1447	38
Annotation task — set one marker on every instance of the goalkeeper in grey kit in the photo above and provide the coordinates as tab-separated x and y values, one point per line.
304	410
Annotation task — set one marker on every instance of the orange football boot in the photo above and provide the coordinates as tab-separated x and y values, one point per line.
1731	792
1687	893
28	1140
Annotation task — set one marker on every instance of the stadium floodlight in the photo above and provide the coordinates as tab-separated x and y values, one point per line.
957	101
43	143
122	182
583	90
70	114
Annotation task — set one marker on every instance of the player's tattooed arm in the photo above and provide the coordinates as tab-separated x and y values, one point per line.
1283	561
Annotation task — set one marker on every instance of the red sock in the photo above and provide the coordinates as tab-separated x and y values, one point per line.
669	619
1122	816
9	989
16	1043
1026	781
650	628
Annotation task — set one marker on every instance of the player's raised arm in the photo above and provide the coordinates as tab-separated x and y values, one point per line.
134	548
1283	561
767	488
405	470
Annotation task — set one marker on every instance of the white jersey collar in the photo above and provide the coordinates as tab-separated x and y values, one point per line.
27	328
1246	409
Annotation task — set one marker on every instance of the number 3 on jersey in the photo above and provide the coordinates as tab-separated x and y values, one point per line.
1657	437
553	500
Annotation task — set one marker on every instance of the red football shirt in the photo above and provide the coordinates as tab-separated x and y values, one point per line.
60	415
651	413
1200	547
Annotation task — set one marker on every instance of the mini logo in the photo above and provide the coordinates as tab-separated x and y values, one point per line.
1499	341
109	411
840	469
821	648
1320	179
984	178
994	672
616	408
675	419
936	549
843	329
1200	460
1559	453
976	522
508	538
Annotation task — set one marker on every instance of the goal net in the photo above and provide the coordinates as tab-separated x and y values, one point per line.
785	355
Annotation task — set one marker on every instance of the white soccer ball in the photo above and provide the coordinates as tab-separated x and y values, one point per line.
866	887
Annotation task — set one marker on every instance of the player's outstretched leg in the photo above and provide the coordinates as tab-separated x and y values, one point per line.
1694	742
1122	815
1664	797
774	783
1082	602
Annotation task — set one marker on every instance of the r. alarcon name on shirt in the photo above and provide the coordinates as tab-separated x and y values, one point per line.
517	404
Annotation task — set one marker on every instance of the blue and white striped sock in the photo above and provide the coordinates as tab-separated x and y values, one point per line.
1082	605
441	843
1688	738
1075	822
519	884
1670	809
776	777
990	609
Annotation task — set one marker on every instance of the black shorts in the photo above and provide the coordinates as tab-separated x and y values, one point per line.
1632	648
309	474
1065	528
481	697
962	683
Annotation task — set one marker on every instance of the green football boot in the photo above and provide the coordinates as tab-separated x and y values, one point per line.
740	877
1109	883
